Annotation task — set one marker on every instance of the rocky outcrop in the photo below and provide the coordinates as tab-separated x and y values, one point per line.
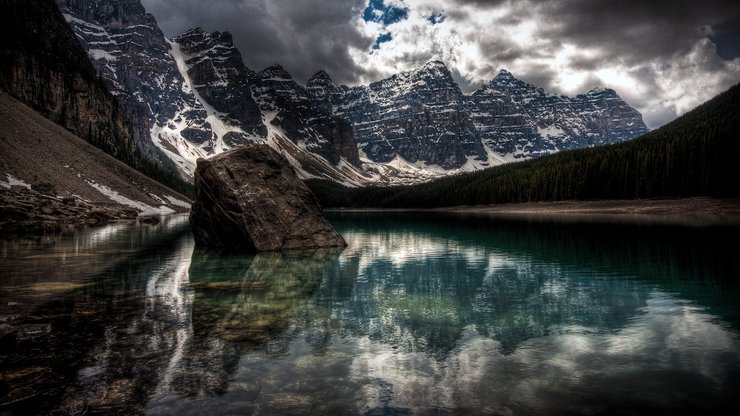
132	57
24	211
518	119
202	100
423	117
251	199
43	66
301	120
193	96
218	74
419	115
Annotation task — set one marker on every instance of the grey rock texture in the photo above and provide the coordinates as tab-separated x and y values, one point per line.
250	199
217	72
423	116
301	120
43	66
419	115
24	211
131	55
196	98
517	118
192	96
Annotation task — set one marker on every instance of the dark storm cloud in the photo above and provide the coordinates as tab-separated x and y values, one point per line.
303	36
635	29
481	3
630	30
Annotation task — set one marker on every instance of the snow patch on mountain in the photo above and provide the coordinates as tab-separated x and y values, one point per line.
120	199
197	99
12	181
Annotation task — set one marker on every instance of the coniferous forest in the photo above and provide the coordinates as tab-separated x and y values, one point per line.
695	155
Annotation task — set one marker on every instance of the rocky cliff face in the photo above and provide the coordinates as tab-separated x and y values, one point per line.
193	94
43	66
290	108
517	118
218	75
423	117
420	116
132	56
251	199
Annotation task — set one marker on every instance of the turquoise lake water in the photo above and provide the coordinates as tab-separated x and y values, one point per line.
421	314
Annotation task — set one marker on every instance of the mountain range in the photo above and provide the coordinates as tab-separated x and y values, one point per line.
63	132
192	96
694	155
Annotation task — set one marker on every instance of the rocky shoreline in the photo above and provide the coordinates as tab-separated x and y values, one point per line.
27	211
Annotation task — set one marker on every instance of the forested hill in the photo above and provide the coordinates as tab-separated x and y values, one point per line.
697	154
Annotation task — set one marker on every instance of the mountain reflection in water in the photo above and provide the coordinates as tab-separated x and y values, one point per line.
422	313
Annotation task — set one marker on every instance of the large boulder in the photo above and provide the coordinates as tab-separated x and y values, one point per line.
250	199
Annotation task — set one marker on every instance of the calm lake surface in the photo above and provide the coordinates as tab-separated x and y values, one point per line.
422	314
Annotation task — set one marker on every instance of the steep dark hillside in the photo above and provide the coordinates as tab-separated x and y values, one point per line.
694	155
35	151
43	65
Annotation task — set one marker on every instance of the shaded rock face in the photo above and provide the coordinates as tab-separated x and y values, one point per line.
128	50
423	116
192	95
513	117
419	115
301	120
217	72
251	199
43	66
25	211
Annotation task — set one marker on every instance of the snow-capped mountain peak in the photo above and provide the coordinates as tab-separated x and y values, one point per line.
195	97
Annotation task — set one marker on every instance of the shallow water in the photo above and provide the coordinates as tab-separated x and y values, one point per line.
422	314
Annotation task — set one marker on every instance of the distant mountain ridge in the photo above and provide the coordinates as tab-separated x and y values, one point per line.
694	155
423	116
199	99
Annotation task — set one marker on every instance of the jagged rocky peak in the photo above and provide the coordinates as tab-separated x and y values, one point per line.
131	54
602	92
436	69
520	119
217	72
504	74
320	79
322	91
506	81
197	40
275	72
302	118
113	14
419	116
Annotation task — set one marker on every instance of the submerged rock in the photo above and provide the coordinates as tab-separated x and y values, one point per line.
250	199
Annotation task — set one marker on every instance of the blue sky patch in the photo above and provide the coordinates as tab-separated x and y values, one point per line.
436	17
385	37
726	38
377	11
